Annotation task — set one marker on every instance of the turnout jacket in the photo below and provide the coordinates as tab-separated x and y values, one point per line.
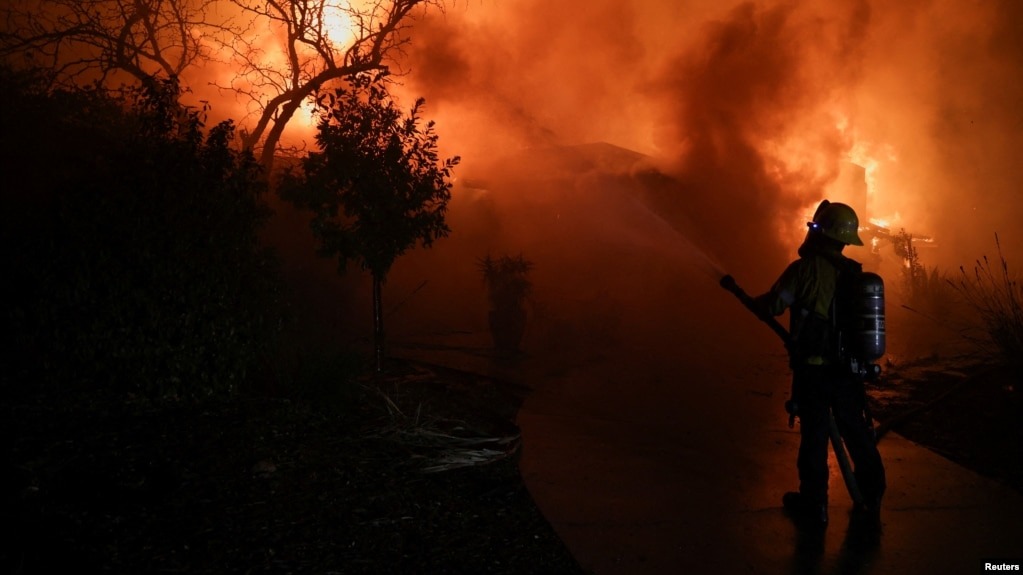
807	288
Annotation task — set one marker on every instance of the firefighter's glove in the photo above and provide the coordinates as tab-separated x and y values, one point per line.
762	307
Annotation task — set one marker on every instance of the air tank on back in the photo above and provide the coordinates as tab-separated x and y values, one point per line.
868	336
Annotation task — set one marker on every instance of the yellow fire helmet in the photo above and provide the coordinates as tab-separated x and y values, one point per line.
838	222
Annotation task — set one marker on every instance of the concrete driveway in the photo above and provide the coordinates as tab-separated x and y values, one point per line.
671	456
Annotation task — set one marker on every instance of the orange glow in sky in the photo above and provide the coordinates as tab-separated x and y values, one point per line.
338	24
755	108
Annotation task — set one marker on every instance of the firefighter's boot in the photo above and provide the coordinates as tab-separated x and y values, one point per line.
804	511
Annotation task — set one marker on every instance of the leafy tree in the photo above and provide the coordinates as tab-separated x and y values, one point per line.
377	187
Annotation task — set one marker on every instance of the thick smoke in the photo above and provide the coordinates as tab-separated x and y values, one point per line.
945	94
613	142
746	129
605	139
752	109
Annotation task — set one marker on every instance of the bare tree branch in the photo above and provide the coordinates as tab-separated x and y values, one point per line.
314	55
86	41
282	51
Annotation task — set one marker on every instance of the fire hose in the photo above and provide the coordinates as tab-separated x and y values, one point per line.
728	282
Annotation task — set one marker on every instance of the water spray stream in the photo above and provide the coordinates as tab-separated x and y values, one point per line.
705	263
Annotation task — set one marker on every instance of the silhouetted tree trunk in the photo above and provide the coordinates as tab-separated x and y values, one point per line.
378	323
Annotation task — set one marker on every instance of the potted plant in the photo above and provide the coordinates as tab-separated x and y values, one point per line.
507	281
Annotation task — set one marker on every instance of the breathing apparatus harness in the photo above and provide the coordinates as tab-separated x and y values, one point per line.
853	336
728	282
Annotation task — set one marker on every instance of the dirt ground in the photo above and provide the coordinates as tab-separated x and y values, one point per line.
258	485
417	474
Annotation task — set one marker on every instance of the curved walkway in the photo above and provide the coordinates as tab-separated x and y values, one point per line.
671	454
638	477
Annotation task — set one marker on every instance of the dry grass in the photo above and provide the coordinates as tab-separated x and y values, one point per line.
997	299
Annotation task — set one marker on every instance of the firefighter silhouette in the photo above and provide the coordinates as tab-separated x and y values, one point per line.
828	370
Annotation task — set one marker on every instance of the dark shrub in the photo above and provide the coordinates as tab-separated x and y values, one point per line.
131	244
